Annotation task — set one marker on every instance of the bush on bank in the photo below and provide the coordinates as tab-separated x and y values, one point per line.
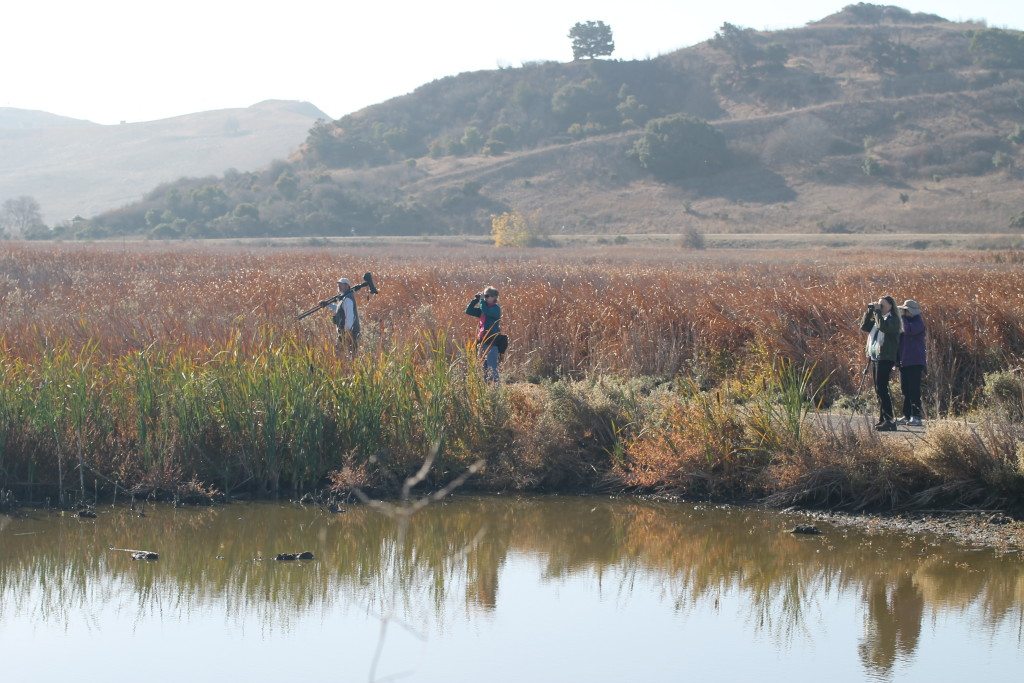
294	418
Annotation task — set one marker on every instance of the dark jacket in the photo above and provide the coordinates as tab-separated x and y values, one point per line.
889	326
912	351
490	317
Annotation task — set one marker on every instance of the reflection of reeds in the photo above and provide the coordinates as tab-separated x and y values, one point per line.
690	555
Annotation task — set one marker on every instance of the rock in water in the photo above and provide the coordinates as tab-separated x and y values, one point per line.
305	555
87	513
807	529
145	555
285	557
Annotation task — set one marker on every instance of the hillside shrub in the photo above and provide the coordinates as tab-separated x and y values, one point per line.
998	48
679	146
586	101
692	239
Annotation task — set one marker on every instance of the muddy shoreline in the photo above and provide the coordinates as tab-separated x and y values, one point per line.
972	528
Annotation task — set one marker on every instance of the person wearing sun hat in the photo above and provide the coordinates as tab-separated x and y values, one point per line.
912	361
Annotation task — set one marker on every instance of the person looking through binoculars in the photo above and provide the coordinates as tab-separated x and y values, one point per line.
884	325
345	316
489	340
912	361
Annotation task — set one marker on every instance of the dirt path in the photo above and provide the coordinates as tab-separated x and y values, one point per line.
866	424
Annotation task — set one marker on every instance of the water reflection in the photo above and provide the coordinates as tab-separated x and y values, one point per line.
57	570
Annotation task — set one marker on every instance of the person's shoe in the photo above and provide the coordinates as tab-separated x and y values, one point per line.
903	420
915	422
887	426
880	422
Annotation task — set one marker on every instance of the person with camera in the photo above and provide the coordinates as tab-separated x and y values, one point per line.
883	325
485	307
345	316
912	362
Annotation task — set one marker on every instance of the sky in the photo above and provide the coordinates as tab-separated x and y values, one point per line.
138	60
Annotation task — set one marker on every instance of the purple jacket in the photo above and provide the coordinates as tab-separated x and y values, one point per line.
912	342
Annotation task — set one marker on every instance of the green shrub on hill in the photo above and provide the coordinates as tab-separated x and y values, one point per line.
678	146
998	48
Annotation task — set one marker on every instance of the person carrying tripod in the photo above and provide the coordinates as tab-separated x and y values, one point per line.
345	316
485	307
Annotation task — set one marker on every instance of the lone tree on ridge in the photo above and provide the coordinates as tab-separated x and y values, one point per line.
591	39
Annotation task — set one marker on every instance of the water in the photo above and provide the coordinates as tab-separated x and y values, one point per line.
498	589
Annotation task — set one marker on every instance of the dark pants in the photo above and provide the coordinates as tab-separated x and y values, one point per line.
910	383
883	371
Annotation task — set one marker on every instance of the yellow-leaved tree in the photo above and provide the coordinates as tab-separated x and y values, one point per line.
513	229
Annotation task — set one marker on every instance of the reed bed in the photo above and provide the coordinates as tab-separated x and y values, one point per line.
183	369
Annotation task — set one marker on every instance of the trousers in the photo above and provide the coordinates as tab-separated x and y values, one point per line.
883	373
910	383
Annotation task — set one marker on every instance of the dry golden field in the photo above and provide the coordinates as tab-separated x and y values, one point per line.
146	367
659	311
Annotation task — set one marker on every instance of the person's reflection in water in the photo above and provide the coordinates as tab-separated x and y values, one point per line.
894	623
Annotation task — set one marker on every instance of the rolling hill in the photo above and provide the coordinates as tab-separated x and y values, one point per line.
871	120
73	167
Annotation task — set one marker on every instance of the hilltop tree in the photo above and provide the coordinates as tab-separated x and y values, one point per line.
20	215
591	39
736	43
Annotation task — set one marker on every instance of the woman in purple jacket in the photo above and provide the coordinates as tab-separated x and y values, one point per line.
912	362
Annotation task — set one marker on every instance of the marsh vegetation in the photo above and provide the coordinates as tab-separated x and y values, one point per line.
182	370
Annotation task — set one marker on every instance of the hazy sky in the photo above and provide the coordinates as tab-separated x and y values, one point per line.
136	60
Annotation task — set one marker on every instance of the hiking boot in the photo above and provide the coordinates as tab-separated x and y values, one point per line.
915	422
887	426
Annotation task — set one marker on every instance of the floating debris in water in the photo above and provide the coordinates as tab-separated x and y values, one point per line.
288	557
138	554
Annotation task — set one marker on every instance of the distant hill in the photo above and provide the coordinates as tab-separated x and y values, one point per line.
873	119
74	167
28	119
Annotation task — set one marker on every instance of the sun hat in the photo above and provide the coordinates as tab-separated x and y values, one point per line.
911	307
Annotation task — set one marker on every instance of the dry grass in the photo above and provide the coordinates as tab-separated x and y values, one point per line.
156	367
633	313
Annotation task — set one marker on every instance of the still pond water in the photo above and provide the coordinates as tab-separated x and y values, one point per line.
497	589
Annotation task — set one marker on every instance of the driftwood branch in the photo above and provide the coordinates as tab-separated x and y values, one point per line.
138	554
